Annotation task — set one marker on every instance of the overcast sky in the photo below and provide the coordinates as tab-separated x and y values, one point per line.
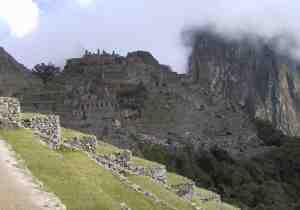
37	31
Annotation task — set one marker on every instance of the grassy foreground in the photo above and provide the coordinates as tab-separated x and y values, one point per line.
83	185
76	180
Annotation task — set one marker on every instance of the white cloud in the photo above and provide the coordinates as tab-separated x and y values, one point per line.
20	15
67	27
85	3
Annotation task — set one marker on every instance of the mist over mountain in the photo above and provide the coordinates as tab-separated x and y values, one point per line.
148	25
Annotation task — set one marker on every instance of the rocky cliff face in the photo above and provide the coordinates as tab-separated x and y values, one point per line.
252	74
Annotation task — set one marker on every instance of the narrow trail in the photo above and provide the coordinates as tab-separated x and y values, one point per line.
17	189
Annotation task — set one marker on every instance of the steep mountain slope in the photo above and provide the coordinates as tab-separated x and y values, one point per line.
251	74
133	99
14	77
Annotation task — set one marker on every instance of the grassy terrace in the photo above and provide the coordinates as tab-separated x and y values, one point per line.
212	204
68	134
76	180
106	149
175	179
157	189
225	206
83	185
145	182
29	115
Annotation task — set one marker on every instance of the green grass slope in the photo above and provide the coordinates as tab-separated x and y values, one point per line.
83	185
73	177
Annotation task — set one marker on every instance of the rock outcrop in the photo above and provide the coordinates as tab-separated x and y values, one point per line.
253	75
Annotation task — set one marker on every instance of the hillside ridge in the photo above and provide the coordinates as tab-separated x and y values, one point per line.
119	162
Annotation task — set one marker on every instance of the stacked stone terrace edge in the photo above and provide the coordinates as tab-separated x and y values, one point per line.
10	110
47	126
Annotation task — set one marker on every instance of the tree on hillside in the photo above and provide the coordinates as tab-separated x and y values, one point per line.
46	71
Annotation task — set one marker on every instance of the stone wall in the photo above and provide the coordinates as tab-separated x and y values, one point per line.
158	173
85	143
9	112
185	190
48	126
122	161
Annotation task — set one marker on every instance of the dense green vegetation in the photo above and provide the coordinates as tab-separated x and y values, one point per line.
269	181
46	72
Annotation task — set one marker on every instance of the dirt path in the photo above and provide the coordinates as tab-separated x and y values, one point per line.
17	189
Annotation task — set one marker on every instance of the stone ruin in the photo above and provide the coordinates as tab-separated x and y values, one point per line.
86	143
185	190
124	157
47	126
121	162
10	109
158	173
98	59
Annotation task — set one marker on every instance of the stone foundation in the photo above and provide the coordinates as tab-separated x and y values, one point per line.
9	112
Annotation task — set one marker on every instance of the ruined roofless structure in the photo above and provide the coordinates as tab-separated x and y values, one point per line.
98	58
103	58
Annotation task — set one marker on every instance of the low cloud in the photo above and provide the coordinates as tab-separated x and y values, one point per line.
85	3
65	28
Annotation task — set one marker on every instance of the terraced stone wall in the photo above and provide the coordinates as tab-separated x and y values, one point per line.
86	143
9	112
48	126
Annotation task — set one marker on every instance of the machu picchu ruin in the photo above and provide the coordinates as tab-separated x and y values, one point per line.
149	105
133	107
